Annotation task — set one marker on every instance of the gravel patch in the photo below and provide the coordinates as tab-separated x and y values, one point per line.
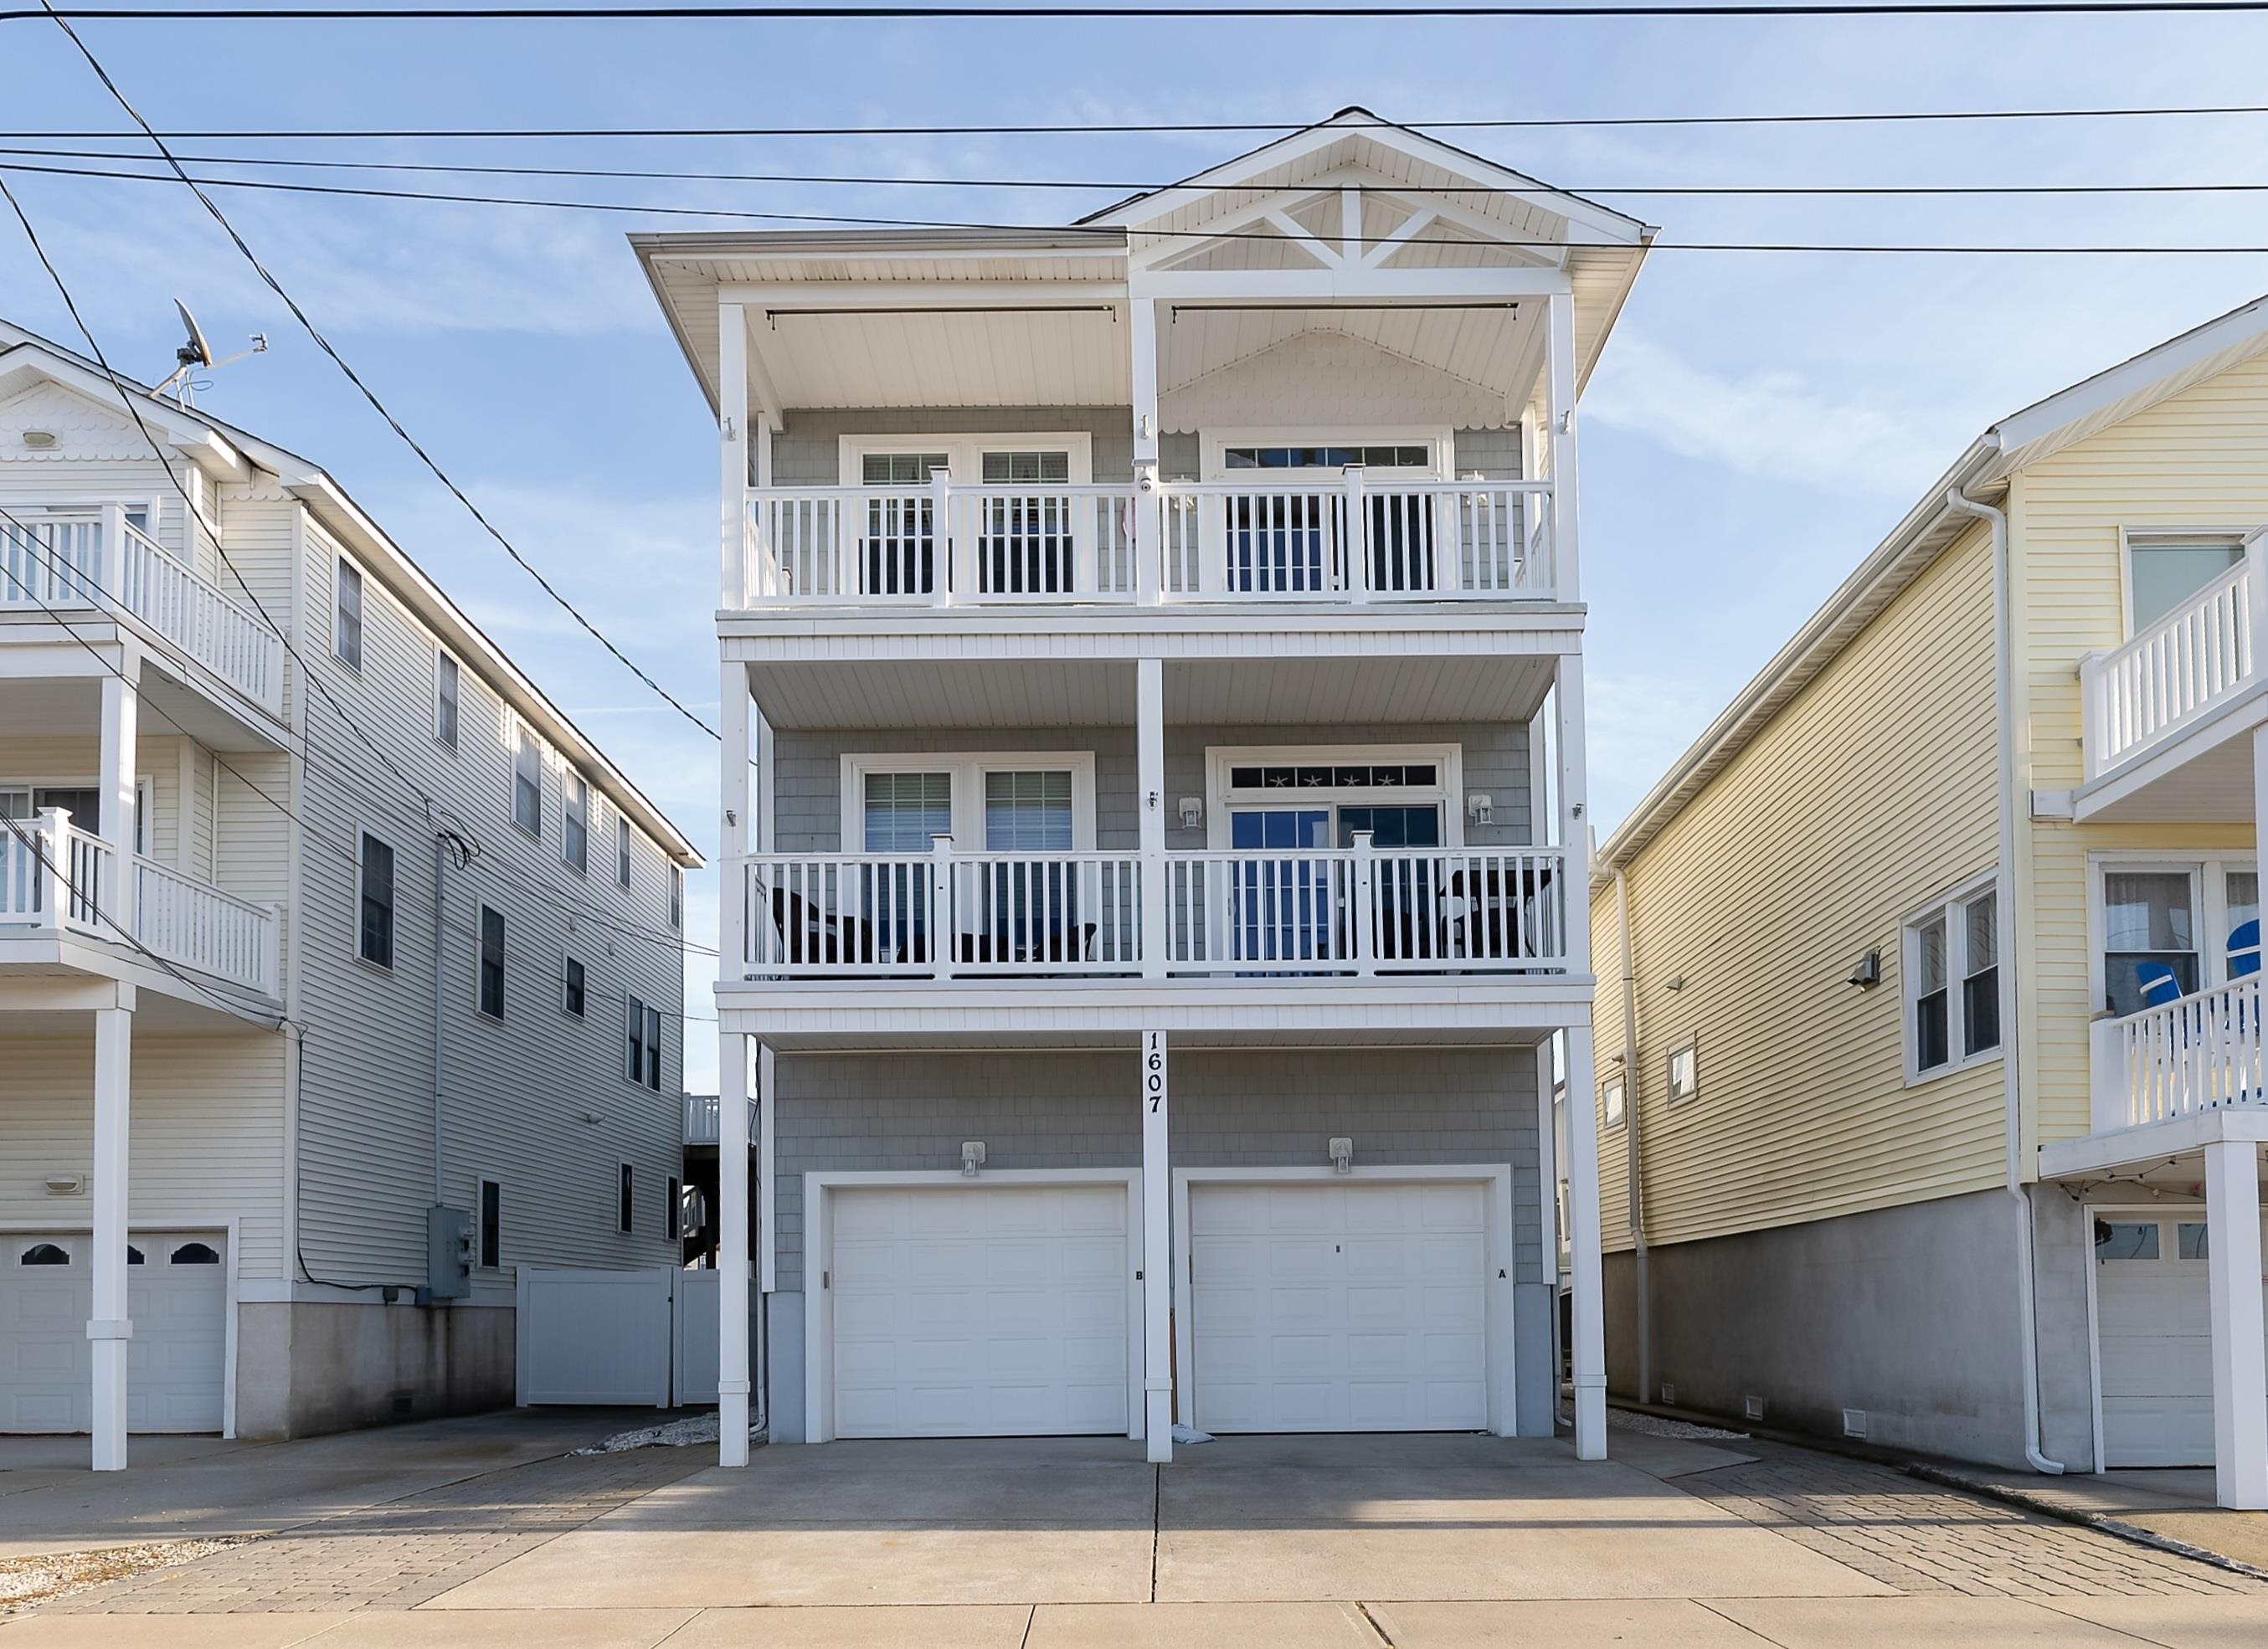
27	1580
694	1428
1658	1426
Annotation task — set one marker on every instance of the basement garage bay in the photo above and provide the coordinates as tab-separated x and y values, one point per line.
177	1296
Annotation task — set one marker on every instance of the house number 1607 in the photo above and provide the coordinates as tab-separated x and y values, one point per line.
1154	1072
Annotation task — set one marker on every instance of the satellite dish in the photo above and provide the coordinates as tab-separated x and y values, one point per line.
196	351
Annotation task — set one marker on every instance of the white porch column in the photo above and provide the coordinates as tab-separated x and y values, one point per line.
1149	523
1589	1346
738	754
1560	404
2240	1361
1150	747
732	449
109	1328
120	704
732	1383
1157	1260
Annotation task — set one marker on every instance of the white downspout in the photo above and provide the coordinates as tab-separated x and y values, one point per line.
2003	708
1637	1191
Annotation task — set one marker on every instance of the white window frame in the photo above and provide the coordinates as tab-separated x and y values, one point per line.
503	963
145	806
1689	1048
343	563
363	834
454	742
568	958
574	813
967	769
965	453
1613	1102
625	846
1951	906
1441	437
520	727
2208	869
676	898
1448	758
2129	536
480	1263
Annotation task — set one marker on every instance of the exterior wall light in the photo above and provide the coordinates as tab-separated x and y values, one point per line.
65	1184
40	440
1192	812
972	1157
1342	1156
1480	808
1868	973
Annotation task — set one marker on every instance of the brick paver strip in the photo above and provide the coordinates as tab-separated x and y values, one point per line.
403	1553
1920	1537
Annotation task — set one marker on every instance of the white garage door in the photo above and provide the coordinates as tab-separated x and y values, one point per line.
2155	1339
979	1311
1347	1306
177	1295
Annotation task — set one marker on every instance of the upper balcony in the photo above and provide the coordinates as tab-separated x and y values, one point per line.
68	899
2162	714
1340	540
98	563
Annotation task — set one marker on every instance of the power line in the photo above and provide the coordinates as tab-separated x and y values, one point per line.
1162	128
354	377
1102	235
1125	10
882	180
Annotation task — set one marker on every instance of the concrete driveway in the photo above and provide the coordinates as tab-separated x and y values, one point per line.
1415	1542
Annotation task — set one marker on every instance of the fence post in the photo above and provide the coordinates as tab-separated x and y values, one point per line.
944	927
1367	918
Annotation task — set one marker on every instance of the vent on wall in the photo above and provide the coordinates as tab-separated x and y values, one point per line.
1668	1395
1854	1423
1753	1407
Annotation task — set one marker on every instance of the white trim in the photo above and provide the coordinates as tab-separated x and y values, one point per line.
1214	443
966	769
1950	906
818	1243
1449	759
515	725
503	961
570	778
361	833
454	744
1501	1256
2208	869
965	453
1615	1113
353	667
1669	1093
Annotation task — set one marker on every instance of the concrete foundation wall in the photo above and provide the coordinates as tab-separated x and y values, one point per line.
304	1369
1909	1313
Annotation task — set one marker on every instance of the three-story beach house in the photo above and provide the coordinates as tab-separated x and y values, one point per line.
1153	796
339	973
1936	1096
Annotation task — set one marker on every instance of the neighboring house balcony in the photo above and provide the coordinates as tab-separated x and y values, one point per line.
2163	717
71	902
99	566
1340	539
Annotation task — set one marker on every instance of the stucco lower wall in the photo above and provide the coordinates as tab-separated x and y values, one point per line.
1909	1313
304	1369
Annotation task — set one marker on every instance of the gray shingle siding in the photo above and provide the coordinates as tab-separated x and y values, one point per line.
808	452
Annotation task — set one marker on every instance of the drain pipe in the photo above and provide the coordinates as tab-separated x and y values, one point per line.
1636	1194
440	860
2028	1329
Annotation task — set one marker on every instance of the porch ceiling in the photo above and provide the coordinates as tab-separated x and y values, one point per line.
2203	779
1049	693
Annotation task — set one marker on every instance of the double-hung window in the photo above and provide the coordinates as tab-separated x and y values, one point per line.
1684	1072
526	779
346	614
374	938
572	987
676	897
622	852
1953	983
492	962
1611	1093
641	1044
445	682
575	823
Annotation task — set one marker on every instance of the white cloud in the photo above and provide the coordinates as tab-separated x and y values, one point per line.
1769	423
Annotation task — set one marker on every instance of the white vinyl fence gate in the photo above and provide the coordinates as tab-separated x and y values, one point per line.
643	1338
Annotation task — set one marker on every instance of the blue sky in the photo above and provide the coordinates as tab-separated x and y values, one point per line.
1757	424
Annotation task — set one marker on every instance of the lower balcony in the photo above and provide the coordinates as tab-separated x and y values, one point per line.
61	883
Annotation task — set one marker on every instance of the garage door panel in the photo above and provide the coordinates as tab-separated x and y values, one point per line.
1362	1306
987	1309
175	1363
2153	1349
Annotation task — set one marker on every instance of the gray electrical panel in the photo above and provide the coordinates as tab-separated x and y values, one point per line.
448	1253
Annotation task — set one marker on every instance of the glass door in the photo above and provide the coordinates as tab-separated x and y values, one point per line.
1024	537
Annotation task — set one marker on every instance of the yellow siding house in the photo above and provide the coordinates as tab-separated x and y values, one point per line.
1931	1082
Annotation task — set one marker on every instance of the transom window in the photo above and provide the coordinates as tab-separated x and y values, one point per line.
1419	456
2169	928
1952	984
901	469
1325	775
1002	469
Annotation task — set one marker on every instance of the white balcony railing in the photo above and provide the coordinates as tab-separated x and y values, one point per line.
56	878
2143	694
1337	540
106	562
1327	912
2198	1053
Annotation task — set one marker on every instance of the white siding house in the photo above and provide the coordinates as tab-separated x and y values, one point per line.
1148	647
262	897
